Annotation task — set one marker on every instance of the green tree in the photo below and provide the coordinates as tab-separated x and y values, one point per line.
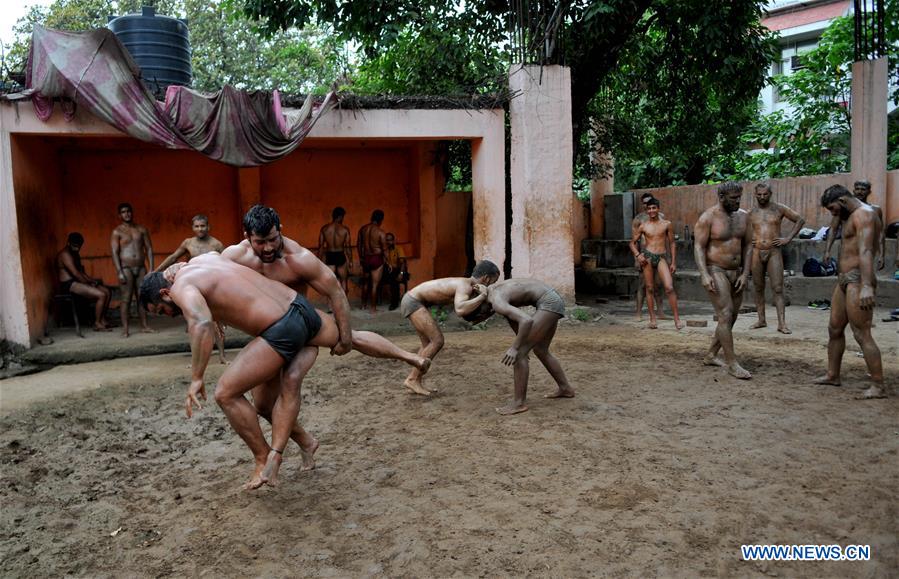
651	79
811	135
226	48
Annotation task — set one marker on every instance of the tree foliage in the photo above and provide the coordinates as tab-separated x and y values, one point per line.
811	134
671	80
226	48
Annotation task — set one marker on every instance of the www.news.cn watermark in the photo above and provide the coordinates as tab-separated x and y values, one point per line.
805	552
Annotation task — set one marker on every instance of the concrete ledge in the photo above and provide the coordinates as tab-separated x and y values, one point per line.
798	290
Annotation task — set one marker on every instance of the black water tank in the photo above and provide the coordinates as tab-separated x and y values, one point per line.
158	44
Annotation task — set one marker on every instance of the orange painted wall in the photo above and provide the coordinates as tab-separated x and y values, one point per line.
37	185
166	188
452	220
308	184
75	183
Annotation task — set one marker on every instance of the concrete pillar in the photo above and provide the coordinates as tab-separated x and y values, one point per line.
869	128
541	171
599	188
488	189
427	208
13	309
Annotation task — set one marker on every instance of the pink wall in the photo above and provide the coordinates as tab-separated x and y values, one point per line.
683	205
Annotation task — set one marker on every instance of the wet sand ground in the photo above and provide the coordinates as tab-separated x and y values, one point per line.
659	467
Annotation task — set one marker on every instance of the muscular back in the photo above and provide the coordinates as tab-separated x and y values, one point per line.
726	233
518	292
235	294
373	239
335	237
441	291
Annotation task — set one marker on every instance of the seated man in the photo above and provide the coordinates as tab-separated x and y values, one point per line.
531	333
211	287
395	270
448	290
72	279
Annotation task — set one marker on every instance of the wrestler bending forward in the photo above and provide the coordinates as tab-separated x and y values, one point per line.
209	288
531	333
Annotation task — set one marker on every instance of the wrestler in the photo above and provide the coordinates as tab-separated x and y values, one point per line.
641	292
372	245
765	221
73	280
334	247
202	242
654	258
210	287
861	190
722	246
131	250
449	290
279	258
853	297
531	333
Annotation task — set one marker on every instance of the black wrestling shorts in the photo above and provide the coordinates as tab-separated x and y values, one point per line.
335	258
65	287
300	324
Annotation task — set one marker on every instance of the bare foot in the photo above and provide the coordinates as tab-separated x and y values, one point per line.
423	364
653	326
223	361
873	392
148	330
256	480
125	333
100	328
710	360
661	316
308	455
512	408
759	324
639	316
269	474
561	393
679	325
827	380
415	386
784	330
738	371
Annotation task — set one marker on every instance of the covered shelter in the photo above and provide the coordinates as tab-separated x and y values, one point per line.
60	176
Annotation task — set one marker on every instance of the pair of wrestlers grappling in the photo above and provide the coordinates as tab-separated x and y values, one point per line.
211	288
